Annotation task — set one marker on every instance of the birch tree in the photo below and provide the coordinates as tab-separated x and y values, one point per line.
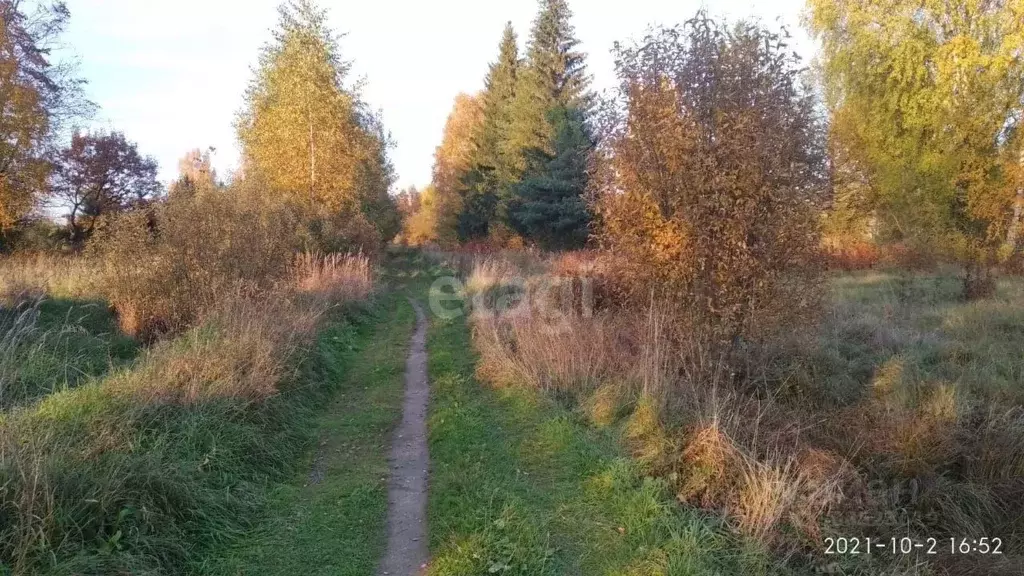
929	95
304	129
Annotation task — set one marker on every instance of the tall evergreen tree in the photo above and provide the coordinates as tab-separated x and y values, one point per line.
494	170
549	127
499	93
549	207
479	204
554	77
483	186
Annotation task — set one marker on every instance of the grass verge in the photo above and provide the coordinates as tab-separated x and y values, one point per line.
520	485
52	344
329	516
155	467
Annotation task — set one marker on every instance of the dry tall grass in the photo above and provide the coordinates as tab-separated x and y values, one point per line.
337	277
57	276
245	345
899	414
100	463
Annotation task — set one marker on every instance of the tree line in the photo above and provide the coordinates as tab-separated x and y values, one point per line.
512	166
917	108
310	144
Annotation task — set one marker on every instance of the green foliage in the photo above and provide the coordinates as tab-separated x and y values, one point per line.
527	168
549	206
39	94
496	160
308	136
924	98
548	130
479	204
553	77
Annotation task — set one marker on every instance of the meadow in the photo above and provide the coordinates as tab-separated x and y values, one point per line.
738	312
896	415
140	417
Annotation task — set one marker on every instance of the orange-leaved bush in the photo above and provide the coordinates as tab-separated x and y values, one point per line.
711	180
163	269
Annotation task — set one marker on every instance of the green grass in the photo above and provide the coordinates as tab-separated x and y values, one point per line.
332	520
520	485
921	321
61	344
94	482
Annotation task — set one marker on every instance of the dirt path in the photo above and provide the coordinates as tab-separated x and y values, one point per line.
407	492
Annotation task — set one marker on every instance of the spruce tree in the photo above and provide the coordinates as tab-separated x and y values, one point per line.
498	95
549	207
550	130
554	77
484	188
479	204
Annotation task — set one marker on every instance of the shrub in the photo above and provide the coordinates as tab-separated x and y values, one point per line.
899	414
687	420
162	270
711	182
34	234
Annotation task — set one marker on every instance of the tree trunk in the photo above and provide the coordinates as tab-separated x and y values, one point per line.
312	155
979	281
1013	233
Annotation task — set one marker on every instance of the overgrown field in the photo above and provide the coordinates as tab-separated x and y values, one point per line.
897	413
139	454
521	485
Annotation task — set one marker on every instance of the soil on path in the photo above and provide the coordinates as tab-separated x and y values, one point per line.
407	491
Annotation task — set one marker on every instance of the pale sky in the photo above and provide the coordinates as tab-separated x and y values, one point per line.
171	75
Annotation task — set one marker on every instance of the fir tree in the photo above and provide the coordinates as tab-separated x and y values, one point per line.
479	204
498	95
554	77
549	129
485	188
549	206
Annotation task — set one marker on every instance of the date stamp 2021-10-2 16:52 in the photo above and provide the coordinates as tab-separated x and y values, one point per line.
906	545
